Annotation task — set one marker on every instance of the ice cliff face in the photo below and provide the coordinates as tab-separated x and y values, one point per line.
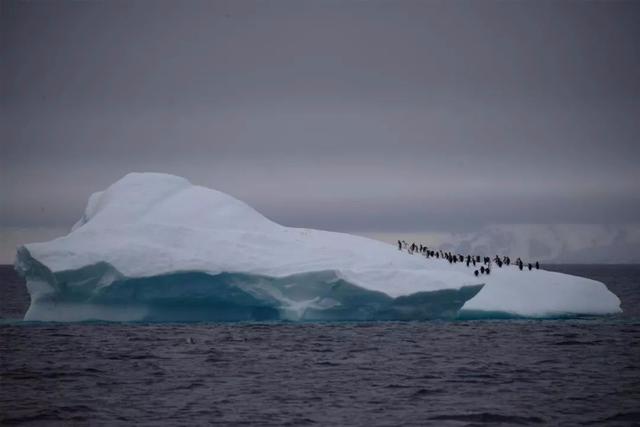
156	247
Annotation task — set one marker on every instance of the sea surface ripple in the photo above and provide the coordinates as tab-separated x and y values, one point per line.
459	373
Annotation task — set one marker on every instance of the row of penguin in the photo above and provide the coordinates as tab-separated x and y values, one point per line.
486	263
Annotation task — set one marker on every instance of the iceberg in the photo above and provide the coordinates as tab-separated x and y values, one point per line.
154	247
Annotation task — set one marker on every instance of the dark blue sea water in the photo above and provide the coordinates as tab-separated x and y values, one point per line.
456	373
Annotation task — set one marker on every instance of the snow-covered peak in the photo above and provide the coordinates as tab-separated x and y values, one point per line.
167	199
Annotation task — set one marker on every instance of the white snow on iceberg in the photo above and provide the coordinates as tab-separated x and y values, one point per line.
155	247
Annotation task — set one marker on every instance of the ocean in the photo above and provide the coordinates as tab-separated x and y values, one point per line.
581	371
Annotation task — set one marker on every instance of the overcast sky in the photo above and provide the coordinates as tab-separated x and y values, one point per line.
375	116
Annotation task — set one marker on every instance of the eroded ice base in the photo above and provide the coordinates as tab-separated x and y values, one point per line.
99	292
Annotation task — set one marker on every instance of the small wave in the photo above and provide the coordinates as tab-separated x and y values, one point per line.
621	417
576	342
487	417
71	414
428	392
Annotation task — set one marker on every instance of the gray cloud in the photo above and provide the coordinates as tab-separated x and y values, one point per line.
347	115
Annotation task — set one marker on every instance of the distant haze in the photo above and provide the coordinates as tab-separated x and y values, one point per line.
454	122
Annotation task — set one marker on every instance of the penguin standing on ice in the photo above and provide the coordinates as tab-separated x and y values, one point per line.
537	265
